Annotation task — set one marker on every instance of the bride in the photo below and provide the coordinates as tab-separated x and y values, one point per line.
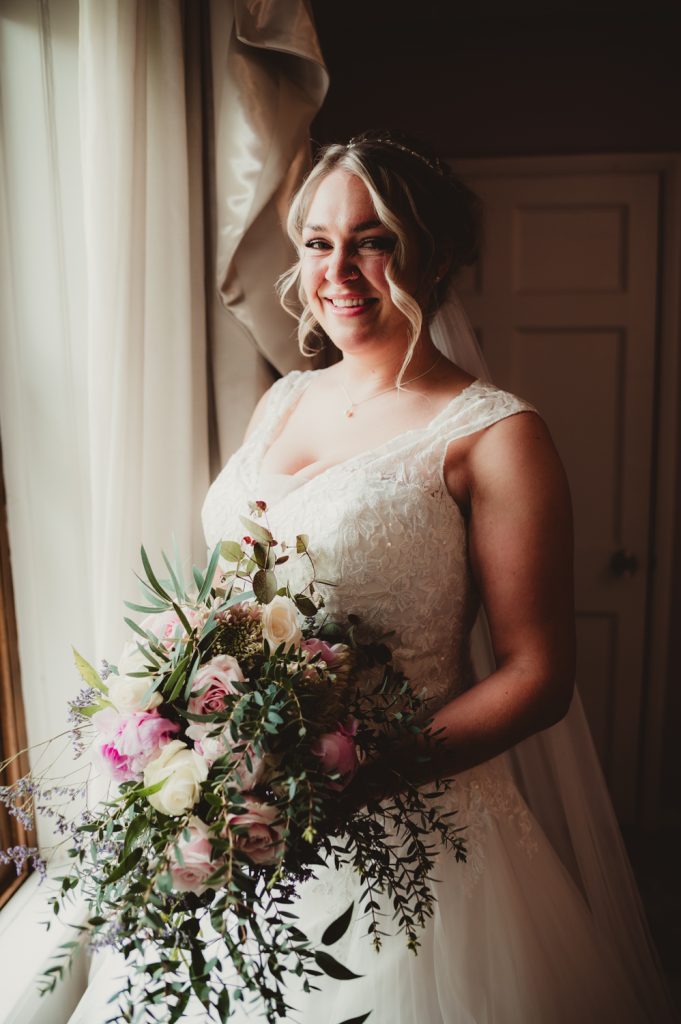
429	494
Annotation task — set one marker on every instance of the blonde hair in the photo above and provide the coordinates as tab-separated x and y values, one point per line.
409	191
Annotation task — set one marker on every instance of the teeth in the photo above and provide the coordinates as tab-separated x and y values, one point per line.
349	302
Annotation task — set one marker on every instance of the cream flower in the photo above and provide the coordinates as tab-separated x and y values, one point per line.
281	623
131	693
183	770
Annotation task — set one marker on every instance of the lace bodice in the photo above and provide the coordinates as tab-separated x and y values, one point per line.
382	527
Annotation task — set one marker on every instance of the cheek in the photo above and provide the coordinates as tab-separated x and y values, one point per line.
311	277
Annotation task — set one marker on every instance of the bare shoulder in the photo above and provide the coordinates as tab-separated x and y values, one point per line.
515	456
513	460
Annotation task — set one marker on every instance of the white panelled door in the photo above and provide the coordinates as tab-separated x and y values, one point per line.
564	303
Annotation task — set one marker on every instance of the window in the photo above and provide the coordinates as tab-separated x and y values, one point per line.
12	725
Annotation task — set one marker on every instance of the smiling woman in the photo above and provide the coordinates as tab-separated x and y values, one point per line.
440	495
368	234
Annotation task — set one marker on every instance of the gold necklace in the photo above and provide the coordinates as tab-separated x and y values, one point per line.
352	405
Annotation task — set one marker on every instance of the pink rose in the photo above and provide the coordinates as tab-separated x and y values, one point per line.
212	683
314	646
338	753
211	747
259	837
130	741
167	628
249	777
190	875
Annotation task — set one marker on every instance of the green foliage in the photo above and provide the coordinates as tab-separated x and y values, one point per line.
89	675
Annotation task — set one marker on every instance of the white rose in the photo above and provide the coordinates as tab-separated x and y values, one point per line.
280	623
128	693
131	660
183	770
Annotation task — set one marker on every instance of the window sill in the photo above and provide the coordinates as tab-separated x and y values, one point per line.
26	948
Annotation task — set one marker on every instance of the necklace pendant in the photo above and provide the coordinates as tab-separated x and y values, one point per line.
350	411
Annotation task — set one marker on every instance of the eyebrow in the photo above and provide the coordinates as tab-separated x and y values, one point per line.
365	225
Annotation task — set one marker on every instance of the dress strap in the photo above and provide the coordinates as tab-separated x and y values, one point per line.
279	397
482	405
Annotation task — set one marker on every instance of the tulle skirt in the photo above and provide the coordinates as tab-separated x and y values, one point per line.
512	939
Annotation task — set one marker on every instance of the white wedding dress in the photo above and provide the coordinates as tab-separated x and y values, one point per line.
513	940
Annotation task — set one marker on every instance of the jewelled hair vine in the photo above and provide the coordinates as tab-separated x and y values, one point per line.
434	164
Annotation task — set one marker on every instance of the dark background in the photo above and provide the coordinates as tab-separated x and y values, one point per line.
504	79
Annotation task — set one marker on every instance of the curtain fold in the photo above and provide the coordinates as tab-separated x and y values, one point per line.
268	82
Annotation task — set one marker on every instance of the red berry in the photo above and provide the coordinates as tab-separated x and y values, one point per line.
262	505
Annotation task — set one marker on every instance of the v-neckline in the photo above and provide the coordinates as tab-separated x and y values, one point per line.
374	450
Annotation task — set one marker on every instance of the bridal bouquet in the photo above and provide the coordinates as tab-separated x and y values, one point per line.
232	723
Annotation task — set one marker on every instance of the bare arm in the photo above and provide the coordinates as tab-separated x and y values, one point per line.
520	543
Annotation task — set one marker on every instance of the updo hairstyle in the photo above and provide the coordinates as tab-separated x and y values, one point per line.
413	194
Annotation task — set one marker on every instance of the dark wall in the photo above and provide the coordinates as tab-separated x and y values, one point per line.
495	84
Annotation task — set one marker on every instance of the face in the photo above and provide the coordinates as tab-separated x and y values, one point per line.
344	256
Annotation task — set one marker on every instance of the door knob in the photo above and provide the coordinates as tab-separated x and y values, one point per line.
623	563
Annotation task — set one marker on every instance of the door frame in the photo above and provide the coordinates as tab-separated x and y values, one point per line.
665	510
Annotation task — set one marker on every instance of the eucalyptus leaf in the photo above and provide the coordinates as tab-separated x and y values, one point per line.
126	865
136	829
302	541
152	577
256	531
265	585
245	595
260	553
337	929
210	575
145	608
231	551
135	627
305	606
333	968
177	586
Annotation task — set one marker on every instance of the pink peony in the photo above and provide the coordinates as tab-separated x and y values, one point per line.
338	753
262	839
212	683
196	852
130	741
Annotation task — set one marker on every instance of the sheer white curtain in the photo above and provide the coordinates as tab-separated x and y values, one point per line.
146	387
136	137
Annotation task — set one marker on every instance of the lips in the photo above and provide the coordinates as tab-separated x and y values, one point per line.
349	304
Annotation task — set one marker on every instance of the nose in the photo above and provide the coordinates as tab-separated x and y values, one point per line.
340	266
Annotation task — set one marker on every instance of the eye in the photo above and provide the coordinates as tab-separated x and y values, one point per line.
377	243
317	244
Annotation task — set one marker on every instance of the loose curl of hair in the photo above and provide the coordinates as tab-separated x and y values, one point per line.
414	194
